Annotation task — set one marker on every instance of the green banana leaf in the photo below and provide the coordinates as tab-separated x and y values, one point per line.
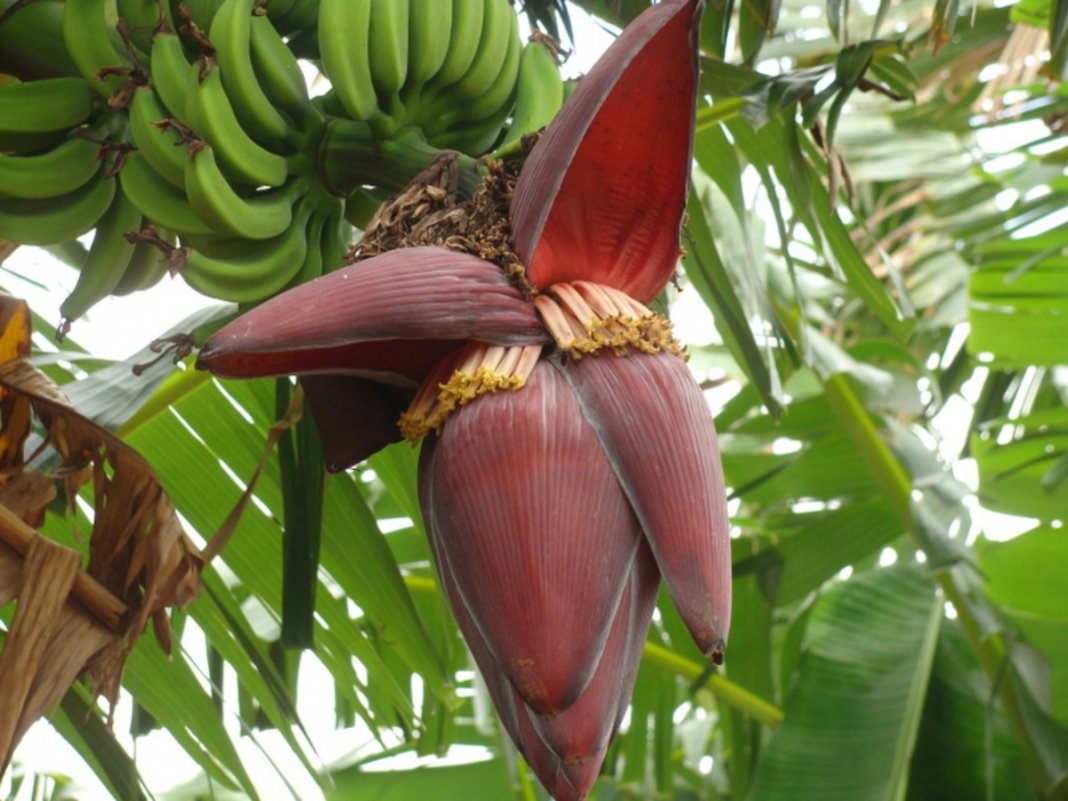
859	690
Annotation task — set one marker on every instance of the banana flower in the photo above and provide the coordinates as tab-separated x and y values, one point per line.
569	459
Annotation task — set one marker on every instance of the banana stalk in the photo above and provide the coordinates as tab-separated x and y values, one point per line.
351	155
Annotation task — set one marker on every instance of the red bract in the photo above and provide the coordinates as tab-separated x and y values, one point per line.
570	459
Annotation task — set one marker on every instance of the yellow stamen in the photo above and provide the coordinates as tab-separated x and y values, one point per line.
574	303
460	378
599	298
583	318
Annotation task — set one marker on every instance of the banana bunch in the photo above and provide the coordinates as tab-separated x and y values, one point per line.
215	163
223	160
449	67
57	182
53	184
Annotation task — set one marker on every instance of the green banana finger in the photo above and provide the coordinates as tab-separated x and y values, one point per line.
360	207
231	35
56	219
473	138
344	44
261	216
161	202
146	267
143	18
500	93
278	9
388	48
312	267
170	75
64	168
539	91
492	49
212	117
162	150
301	17
258	271
107	260
335	241
429	29
28	35
465	31
52	104
88	37
199	12
278	70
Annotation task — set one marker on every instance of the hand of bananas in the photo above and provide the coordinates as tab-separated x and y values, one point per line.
184	134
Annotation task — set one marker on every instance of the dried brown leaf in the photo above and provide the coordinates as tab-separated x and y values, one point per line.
67	620
26	494
48	644
10	573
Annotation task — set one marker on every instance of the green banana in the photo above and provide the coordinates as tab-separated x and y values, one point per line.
388	34
143	18
88	37
278	70
261	216
28	36
466	29
300	17
360	207
52	104
170	74
278	9
198	12
539	91
147	266
212	117
335	241
492	48
501	92
429	29
312	267
344	44
108	258
164	153
258	270
56	219
231	35
473	138
64	168
161	202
